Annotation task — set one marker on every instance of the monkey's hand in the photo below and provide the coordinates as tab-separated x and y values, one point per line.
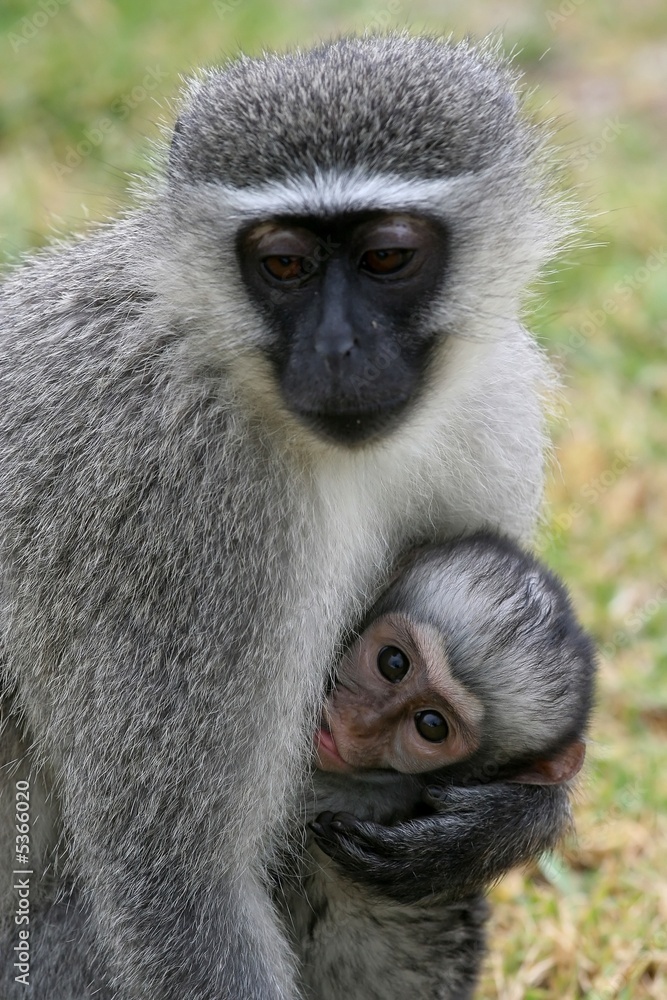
474	836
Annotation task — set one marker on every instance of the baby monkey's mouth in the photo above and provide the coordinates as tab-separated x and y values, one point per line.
324	737
326	752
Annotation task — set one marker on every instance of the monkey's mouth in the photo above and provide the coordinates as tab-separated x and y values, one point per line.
324	738
354	427
326	752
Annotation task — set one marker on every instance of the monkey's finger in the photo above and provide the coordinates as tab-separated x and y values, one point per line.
439	797
345	822
470	801
359	865
342	846
324	819
341	822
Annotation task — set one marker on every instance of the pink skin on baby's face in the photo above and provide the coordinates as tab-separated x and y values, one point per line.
396	704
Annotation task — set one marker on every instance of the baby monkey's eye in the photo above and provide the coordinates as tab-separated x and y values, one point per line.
393	663
432	726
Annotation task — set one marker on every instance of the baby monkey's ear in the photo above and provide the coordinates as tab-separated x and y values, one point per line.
555	770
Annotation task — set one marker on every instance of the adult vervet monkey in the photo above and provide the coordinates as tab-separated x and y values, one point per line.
223	419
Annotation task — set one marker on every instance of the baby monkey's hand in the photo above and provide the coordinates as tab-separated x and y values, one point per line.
474	836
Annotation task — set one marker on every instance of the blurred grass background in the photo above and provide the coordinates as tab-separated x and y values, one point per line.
83	84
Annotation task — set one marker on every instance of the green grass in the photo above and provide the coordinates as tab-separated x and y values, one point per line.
595	924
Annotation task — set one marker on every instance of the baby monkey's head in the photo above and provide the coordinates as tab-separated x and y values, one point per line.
472	658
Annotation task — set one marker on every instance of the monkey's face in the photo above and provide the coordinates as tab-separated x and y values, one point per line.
396	704
347	298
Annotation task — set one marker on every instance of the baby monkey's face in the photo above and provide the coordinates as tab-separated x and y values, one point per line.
397	705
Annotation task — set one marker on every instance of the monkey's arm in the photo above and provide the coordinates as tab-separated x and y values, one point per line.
476	834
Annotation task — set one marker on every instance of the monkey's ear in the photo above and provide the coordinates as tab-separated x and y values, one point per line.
557	769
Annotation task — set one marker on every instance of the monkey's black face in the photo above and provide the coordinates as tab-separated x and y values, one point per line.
346	298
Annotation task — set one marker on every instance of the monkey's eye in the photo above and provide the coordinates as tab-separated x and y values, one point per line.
285	268
381	262
431	726
393	663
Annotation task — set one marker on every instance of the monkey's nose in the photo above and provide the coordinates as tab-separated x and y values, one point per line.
335	345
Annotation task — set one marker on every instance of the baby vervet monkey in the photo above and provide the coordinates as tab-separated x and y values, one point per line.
472	663
470	669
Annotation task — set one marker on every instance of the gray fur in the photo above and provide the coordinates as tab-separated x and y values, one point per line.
415	107
178	555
